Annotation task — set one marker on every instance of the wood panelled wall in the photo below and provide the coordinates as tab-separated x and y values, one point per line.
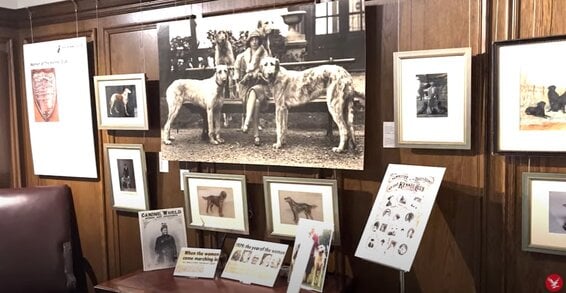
472	240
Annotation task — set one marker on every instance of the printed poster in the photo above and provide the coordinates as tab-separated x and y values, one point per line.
59	108
399	215
197	262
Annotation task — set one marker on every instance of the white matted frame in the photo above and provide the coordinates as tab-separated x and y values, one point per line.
544	227
319	196
432	92
527	92
127	171
121	101
203	192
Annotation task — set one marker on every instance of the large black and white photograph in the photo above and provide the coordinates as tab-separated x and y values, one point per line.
163	234
224	94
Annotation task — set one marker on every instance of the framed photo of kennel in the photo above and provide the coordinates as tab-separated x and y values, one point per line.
127	170
289	199
544	213
529	96
432	91
121	101
216	202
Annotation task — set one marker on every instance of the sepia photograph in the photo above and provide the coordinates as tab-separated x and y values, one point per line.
216	202
222	86
127	170
529	99
423	103
544	213
287	200
121	101
163	234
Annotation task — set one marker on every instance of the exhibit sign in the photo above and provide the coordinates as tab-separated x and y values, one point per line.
197	262
59	108
399	215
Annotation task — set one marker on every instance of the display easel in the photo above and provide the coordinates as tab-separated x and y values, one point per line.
401	281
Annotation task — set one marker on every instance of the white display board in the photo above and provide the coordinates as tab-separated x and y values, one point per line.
59	108
399	215
197	262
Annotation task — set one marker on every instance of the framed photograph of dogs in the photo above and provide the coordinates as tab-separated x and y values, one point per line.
289	199
432	92
216	202
121	101
544	213
222	87
127	170
529	97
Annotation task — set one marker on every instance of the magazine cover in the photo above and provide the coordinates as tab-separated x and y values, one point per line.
399	215
310	255
163	234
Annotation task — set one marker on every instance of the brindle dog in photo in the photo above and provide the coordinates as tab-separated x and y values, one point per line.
215	200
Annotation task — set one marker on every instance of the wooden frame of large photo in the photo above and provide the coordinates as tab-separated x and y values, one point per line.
289	199
529	95
222	82
544	214
126	167
121	101
216	202
432	93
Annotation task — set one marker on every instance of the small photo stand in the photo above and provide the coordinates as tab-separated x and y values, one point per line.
127	171
121	101
216	202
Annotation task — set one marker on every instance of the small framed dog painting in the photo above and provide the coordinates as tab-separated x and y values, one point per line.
216	202
544	213
127	169
121	101
529	97
432	90
289	199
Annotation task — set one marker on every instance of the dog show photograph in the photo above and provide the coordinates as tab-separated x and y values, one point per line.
281	86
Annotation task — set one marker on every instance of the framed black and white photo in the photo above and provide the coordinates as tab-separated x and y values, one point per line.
121	101
528	98
216	202
163	234
544	213
195	55
127	171
432	91
289	199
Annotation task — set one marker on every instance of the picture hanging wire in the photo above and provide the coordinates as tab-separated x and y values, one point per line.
30	23
398	25
534	16
141	45
529	165
496	18
469	23
76	19
96	15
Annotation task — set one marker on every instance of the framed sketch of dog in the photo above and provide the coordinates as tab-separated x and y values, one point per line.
127	170
121	101
289	199
216	202
432	98
529	95
544	213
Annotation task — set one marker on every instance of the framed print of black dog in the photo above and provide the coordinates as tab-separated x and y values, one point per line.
529	99
231	69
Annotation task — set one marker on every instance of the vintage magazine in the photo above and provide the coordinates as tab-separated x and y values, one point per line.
310	255
163	234
255	262
399	215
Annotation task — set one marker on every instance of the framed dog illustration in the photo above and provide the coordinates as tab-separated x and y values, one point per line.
289	199
432	90
121	101
127	169
529	100
216	202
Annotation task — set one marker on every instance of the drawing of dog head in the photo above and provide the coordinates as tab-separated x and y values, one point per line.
269	68
221	74
288	199
223	194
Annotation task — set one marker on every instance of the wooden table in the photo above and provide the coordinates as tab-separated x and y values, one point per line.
164	281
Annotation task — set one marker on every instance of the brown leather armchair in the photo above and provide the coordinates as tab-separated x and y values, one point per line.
39	244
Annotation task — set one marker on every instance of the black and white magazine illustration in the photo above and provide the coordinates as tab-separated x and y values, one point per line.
222	87
163	234
399	215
